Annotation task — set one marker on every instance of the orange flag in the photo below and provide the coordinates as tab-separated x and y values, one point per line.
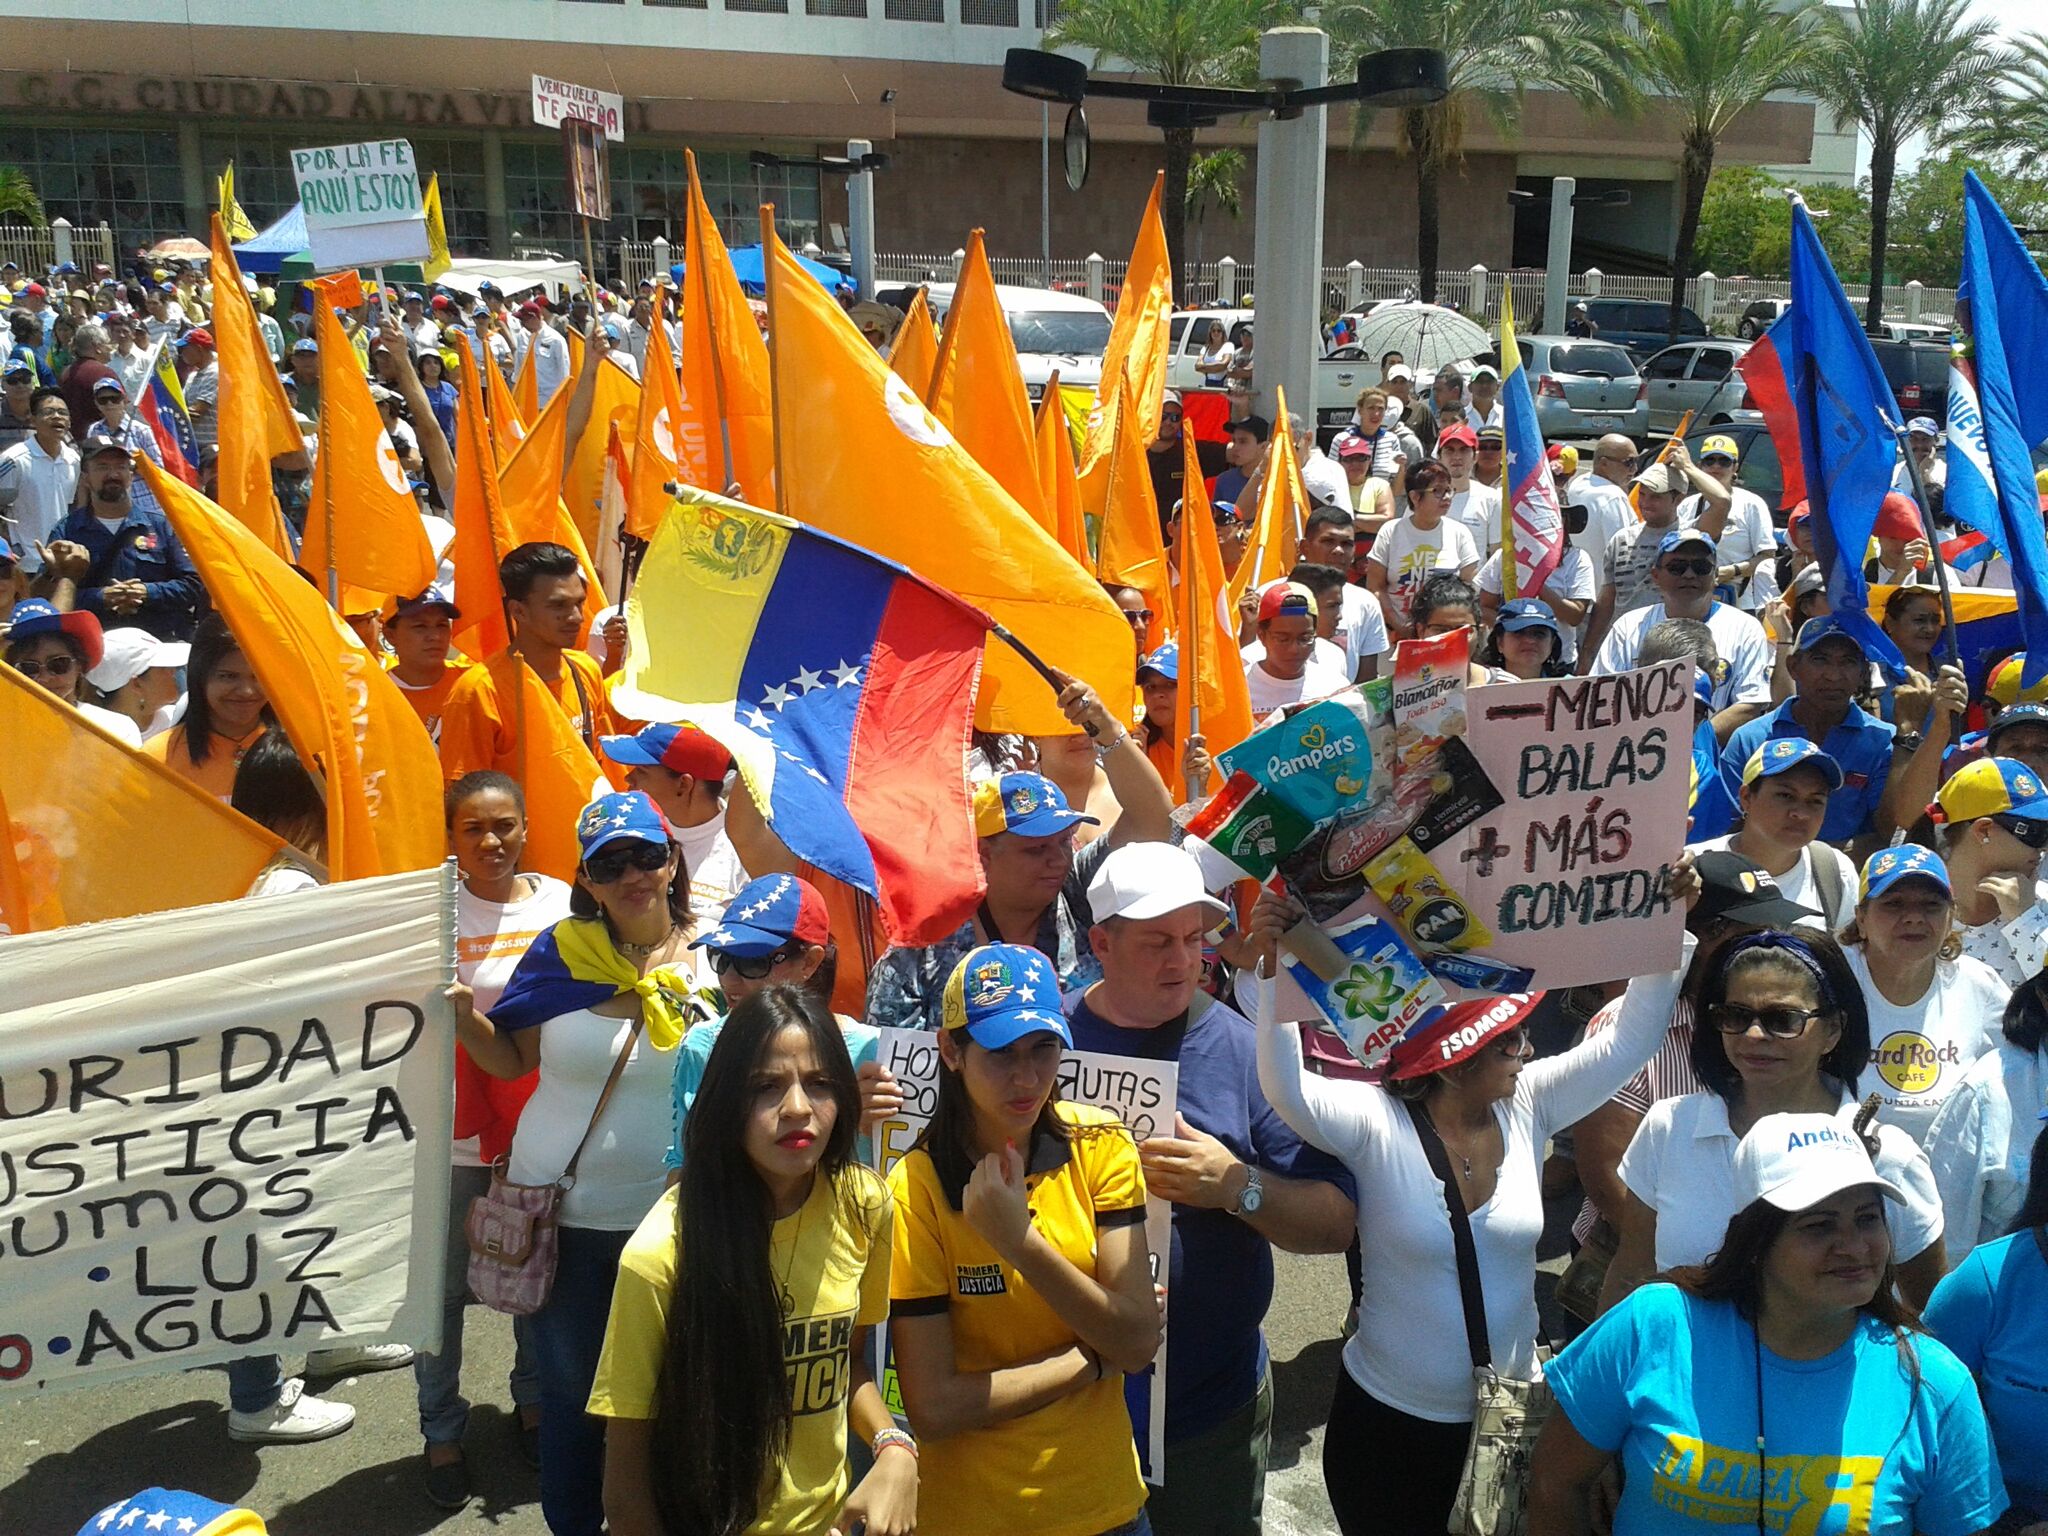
967	534
362	521
915	351
91	829
508	427
1059	489
255	417
576	350
343	712
1212	680
1276	533
1138	341
1131	553
529	489
615	398
483	536
611	521
725	381
978	391
526	386
657	435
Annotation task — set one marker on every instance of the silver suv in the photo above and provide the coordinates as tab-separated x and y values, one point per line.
1700	377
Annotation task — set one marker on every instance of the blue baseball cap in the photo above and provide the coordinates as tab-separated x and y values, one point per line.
1923	426
1527	613
678	748
1028	804
1000	993
432	600
626	817
306	344
1909	861
1991	786
1165	661
1678	538
1784	753
770	914
1826	627
1703	686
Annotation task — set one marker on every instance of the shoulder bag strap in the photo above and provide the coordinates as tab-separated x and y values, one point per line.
605	1097
588	720
1827	880
1461	1238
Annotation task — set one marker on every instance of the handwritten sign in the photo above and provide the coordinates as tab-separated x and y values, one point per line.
556	102
364	203
1143	1094
211	1147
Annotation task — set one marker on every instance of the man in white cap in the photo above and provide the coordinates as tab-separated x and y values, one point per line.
1485	409
1923	443
1239	1180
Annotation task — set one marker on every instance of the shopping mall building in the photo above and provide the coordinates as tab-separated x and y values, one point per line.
126	112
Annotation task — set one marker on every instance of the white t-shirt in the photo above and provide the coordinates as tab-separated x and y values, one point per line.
621	1174
1572	581
1607	512
1919	1053
1268	692
2015	950
36	492
716	875
1681	1164
1212	358
1981	1145
1743	645
1478	508
1492	416
490	938
113	723
1408	554
1800	884
1748	529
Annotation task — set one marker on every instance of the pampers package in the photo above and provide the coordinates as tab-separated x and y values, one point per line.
1365	980
1318	761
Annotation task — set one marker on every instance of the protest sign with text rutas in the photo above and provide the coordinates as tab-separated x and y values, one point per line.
212	1148
1143	1094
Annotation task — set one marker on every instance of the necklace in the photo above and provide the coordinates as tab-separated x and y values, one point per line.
784	1299
642	951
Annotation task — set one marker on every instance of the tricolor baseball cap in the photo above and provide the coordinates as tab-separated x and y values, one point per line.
1286	597
1797	1161
39	617
624	817
678	748
768	914
1909	861
1719	446
2004	682
1028	804
198	336
1000	993
1991	786
1784	753
1461	1032
167	1510
1165	661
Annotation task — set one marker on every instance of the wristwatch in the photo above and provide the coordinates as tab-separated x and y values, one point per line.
1909	741
1252	1196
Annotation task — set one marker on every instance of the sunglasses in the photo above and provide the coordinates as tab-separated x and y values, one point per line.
1512	1042
2033	833
748	967
1689	567
611	864
56	666
1138	616
1492	447
1778	1023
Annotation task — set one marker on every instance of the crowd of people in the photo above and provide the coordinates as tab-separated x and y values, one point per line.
1811	1282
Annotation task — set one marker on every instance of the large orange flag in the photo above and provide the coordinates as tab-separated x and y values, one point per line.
978	391
1276	533
530	490
362	521
1130	552
657	434
1212	699
526	385
726	389
615	397
255	417
1138	341
92	829
943	516
1059	489
482	534
915	351
508	427
341	709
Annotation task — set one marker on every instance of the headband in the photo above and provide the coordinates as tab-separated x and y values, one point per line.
1790	945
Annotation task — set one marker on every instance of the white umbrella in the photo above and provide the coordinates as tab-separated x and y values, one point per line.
1426	335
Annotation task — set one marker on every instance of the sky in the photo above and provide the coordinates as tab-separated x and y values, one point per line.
2014	19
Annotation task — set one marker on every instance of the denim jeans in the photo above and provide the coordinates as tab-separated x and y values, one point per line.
1142	1526
567	1335
444	1413
254	1383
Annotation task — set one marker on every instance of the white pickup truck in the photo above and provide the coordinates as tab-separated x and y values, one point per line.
1338	380
1055	332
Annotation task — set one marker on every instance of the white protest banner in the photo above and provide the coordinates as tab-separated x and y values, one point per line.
365	204
558	101
1143	1094
224	1132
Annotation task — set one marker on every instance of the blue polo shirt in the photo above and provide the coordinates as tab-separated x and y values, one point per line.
141	547
1220	1280
1861	744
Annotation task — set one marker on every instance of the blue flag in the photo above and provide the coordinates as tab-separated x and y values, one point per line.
2002	324
1846	445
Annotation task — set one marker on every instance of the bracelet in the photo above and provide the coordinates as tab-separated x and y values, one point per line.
902	1439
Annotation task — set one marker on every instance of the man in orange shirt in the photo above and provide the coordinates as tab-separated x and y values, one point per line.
421	632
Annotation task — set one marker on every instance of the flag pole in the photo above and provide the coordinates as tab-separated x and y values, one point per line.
768	242
1948	607
1030	657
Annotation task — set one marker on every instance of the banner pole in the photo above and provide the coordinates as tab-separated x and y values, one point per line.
1031	658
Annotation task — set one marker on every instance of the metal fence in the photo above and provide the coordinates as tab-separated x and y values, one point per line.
38	251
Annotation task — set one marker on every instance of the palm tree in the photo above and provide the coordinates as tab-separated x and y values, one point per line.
1900	67
2016	121
1176	42
1215	178
1713	60
1493	50
18	198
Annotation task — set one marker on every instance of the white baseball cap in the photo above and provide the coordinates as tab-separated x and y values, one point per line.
1147	880
129	653
1797	1161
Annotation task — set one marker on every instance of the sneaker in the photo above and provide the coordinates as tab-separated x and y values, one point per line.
448	1484
358	1359
293	1419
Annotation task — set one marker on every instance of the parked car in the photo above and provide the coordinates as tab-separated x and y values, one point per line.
1187	339
1918	374
1583	388
1760	316
1756	466
1639	325
1700	377
1063	332
1916	330
1340	377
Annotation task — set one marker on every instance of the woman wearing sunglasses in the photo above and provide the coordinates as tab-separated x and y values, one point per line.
1784	1031
56	649
1990	826
609	984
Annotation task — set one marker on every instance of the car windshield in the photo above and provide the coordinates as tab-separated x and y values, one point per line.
1598	362
1079	332
1643	315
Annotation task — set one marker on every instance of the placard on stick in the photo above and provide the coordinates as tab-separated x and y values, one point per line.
365	204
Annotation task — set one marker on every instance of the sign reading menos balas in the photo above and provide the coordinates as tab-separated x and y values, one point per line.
364	203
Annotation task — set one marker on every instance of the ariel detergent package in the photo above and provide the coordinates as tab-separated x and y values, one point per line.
1366	981
1318	761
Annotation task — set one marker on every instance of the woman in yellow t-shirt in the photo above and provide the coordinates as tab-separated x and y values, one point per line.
226	709
761	1271
1022	1285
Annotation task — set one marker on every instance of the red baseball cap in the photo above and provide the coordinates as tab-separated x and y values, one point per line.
531	307
1283	596
1898	518
1458	432
35	290
678	748
198	336
1464	1030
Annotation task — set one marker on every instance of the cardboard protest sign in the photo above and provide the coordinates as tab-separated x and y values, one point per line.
365	204
556	102
1143	1094
214	1146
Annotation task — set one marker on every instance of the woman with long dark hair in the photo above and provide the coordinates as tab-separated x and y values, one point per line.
1981	1140
760	1271
1783	1031
1022	1290
226	709
1782	1383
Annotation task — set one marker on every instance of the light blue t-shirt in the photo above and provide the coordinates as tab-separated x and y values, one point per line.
1670	1382
862	1044
1992	1310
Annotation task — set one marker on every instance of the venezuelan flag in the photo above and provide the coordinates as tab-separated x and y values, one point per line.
163	409
842	684
1534	523
169	1512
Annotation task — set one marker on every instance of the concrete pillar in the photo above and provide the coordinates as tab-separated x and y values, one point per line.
1557	270
860	219
1354	285
1098	271
192	176
1706	291
497	218
1226	282
1289	243
1593	277
959	261
1475	300
662	259
60	242
1915	292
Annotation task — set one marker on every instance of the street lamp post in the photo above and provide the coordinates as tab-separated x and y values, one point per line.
858	166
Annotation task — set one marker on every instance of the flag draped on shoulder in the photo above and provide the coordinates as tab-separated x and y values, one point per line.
164	412
842	684
1276	533
1138	338
482	535
657	433
934	508
1212	679
914	352
1527	491
977	389
95	830
2002	323
1848	451
1059	487
343	712
724	365
1130	552
255	418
